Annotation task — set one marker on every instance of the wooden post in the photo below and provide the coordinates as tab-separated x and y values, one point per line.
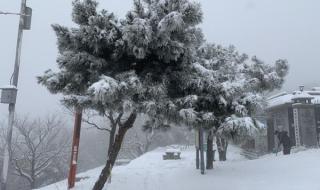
75	148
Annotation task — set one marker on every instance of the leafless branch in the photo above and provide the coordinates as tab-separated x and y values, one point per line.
94	124
39	143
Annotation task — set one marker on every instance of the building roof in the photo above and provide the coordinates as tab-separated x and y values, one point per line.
302	95
285	98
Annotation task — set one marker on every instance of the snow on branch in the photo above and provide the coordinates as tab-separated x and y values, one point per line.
171	22
240	126
105	89
188	115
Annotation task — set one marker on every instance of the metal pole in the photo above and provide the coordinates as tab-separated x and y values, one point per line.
7	150
201	150
75	148
197	142
197	158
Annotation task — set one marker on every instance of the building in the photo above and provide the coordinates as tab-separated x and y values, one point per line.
298	113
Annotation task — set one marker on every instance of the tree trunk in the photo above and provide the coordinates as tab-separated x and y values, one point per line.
222	145
209	151
32	172
111	136
32	184
114	151
146	147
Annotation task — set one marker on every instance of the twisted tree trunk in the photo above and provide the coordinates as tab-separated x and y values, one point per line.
114	151
112	136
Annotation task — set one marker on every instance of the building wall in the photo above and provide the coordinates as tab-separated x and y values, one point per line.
307	124
317	114
278	119
270	132
281	121
281	118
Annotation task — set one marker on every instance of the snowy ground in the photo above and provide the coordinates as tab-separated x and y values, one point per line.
299	171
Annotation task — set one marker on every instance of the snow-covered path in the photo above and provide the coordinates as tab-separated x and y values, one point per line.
300	171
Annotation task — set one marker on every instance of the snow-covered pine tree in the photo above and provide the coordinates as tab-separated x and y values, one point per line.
151	62
224	88
121	69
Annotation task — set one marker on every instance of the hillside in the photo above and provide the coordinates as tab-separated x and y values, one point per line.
299	171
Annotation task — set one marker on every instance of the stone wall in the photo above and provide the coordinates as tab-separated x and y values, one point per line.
307	125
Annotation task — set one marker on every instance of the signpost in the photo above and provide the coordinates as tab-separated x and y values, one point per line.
75	148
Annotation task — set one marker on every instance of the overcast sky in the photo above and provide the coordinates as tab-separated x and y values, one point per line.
270	29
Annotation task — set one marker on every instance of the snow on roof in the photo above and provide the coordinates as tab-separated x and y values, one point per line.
280	100
173	150
314	92
277	95
301	95
315	89
283	98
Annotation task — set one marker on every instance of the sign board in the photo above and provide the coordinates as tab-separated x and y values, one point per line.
8	95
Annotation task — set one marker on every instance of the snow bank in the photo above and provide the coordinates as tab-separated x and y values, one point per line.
299	171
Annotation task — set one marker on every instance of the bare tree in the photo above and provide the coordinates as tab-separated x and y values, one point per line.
38	146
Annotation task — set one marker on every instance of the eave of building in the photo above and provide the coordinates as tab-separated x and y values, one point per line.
275	107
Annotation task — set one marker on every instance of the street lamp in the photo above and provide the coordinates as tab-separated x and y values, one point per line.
9	93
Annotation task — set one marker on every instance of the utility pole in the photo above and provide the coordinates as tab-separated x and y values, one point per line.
24	24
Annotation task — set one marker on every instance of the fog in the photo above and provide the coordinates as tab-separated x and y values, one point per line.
270	29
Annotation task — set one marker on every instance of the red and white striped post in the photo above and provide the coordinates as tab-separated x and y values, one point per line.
75	147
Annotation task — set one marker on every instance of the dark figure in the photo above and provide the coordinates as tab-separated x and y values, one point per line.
284	140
